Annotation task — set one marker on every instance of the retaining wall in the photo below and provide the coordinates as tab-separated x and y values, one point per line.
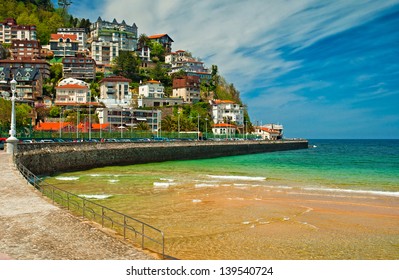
51	158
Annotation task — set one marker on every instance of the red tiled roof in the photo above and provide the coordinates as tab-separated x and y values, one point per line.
115	79
52	126
73	37
224	125
153	82
156	36
219	101
99	126
72	86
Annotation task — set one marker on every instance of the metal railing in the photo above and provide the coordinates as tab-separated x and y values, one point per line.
132	229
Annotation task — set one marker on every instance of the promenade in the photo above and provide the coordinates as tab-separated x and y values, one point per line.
31	228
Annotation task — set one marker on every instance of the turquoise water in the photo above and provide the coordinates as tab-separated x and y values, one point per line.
213	208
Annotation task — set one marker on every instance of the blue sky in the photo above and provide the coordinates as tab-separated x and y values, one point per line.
323	69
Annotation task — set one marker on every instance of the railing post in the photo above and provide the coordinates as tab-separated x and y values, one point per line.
68	201
102	216
142	236
124	227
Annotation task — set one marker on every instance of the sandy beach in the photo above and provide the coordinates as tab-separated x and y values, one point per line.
282	225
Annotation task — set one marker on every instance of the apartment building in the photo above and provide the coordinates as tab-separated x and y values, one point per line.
63	45
79	67
226	111
10	30
81	36
25	49
187	88
115	92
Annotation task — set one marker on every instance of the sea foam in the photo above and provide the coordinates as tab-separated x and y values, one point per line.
95	196
383	193
243	178
62	178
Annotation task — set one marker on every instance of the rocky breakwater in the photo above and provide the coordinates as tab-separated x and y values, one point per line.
51	158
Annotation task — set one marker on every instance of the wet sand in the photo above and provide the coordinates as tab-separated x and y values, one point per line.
291	225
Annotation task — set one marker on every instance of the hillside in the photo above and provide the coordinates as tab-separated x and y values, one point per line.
40	13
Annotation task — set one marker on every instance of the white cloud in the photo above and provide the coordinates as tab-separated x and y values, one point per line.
245	39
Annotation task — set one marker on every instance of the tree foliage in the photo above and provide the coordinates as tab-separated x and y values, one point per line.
127	65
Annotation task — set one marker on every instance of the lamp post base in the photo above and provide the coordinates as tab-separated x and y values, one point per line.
12	145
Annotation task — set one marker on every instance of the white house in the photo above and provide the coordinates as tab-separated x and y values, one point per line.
224	129
151	94
269	131
70	94
152	89
226	111
115	92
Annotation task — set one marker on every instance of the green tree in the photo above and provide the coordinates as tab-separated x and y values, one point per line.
126	65
143	126
55	112
157	51
143	41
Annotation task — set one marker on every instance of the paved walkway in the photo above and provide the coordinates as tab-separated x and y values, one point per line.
31	228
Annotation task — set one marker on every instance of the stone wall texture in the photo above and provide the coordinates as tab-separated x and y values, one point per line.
51	158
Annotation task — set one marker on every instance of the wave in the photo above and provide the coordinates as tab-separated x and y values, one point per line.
113	181
64	178
205	185
232	177
382	193
162	185
95	196
167	179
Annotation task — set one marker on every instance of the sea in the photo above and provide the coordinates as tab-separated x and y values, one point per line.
207	207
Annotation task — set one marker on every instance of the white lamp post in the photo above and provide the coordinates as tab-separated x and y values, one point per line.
178	124
12	141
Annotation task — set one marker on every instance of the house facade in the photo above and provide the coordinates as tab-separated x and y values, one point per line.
25	49
121	33
152	89
79	67
115	92
42	65
72	94
269	131
128	118
29	82
63	45
226	111
164	40
80	33
224	129
10	30
104	53
187	88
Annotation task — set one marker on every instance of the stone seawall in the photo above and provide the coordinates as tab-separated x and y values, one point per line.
51	158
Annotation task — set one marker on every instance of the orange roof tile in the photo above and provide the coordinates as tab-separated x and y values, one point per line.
224	125
64	36
72	86
52	126
156	36
99	126
219	101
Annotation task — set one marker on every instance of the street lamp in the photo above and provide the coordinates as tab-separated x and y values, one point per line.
206	128
178	124
198	137
12	140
